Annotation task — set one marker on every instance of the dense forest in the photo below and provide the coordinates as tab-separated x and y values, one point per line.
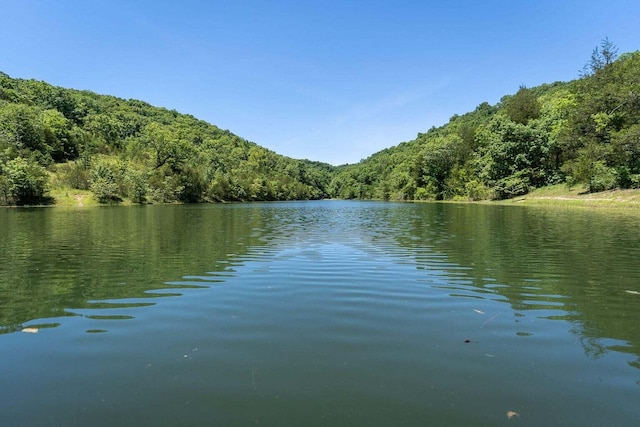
52	137
586	131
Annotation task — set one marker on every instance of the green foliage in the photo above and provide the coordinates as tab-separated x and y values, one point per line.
104	183
523	106
476	190
625	145
21	130
165	188
24	182
73	174
434	164
513	185
603	128
60	136
169	156
608	101
602	177
586	131
192	185
508	148
5	192
601	57
136	184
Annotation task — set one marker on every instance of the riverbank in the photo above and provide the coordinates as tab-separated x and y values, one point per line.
553	196
562	196
73	198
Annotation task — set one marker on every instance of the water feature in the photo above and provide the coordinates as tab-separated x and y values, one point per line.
319	313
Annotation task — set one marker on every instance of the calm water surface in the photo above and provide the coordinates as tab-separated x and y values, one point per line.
319	314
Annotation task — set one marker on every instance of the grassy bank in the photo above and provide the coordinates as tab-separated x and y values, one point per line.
72	198
553	196
561	195
69	197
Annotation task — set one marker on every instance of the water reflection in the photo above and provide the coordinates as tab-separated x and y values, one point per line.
568	265
319	313
574	266
60	262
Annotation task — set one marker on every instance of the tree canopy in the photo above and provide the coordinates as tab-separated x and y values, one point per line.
585	131
121	149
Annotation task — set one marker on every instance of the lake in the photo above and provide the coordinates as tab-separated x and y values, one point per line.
326	313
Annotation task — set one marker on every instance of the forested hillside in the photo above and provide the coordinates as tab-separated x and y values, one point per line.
52	137
586	131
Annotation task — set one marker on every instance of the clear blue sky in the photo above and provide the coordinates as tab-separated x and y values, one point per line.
333	81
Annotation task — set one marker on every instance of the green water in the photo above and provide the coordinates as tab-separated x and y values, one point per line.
319	313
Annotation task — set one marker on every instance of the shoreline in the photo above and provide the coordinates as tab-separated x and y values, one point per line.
561	196
553	196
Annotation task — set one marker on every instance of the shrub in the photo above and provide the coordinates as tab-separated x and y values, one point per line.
514	185
602	177
476	190
104	184
136	185
27	182
73	174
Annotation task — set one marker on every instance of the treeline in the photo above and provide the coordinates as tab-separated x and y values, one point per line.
51	137
586	131
583	132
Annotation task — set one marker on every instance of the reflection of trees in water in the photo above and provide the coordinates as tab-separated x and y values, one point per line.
592	346
58	261
575	264
579	263
568	265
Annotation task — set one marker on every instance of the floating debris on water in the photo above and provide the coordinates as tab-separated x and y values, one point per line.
512	414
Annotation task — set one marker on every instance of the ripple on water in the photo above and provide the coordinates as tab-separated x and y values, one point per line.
323	313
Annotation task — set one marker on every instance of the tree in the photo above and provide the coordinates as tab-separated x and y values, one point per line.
437	159
5	193
104	183
512	156
523	106
166	147
21	128
601	56
192	184
135	181
59	136
602	126
27	182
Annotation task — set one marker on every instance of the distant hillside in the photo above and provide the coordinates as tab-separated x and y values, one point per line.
586	131
51	137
